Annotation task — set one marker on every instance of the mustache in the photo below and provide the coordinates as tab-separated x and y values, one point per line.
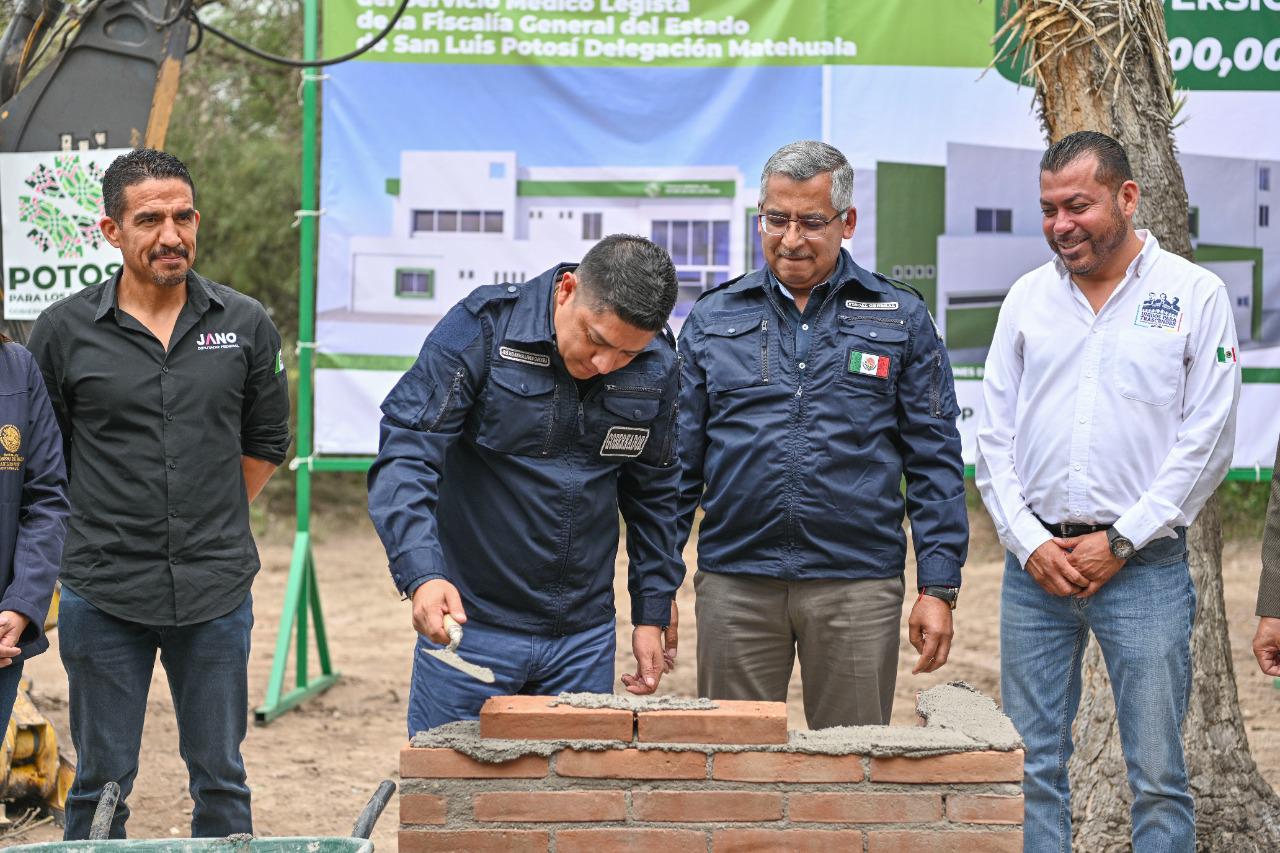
169	252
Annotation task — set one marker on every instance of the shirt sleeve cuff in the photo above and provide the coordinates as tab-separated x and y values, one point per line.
1137	526
650	611
1028	535
414	565
36	619
938	571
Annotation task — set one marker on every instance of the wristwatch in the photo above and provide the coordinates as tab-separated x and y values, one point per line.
949	594
1121	548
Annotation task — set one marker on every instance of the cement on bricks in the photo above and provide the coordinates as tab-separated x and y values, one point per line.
961	767
537	718
634	704
418	763
957	722
734	722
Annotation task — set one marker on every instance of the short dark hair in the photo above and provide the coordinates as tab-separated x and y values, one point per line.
1113	163
139	165
632	277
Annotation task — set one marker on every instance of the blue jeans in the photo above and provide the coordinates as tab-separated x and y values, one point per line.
9	678
109	663
521	663
1142	619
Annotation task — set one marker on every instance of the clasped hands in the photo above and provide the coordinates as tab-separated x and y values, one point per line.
1078	566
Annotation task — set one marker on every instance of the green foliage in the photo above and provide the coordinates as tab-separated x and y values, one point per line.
237	126
1244	508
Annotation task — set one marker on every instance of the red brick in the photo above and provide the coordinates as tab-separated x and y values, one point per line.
474	841
730	722
416	763
631	839
864	808
550	806
631	764
775	840
956	767
933	841
422	808
785	767
983	808
693	806
535	718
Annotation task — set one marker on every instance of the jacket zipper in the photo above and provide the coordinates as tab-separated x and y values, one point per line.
555	416
448	399
764	351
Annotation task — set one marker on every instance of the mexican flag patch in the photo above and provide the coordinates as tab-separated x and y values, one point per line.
1228	355
869	364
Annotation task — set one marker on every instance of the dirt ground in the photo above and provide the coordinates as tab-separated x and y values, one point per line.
313	769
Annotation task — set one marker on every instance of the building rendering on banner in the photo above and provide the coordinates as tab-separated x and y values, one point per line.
993	235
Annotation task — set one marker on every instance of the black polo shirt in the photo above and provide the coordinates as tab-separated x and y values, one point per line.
159	530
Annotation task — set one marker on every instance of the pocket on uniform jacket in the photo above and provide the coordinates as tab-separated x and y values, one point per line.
1147	365
625	423
519	410
871	355
737	352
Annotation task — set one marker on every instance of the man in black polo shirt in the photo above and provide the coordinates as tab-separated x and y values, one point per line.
172	399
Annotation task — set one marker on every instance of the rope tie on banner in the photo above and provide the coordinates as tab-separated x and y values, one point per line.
301	345
304	77
298	214
300	461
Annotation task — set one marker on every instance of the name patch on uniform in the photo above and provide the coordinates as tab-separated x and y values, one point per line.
870	306
1158	311
869	364
216	340
624	441
537	359
11	441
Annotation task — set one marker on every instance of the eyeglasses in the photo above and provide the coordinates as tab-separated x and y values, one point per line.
811	227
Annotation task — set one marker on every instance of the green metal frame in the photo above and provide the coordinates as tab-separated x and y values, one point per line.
302	613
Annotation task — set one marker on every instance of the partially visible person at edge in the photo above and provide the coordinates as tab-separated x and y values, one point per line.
1266	641
1109	401
172	398
33	492
809	389
535	413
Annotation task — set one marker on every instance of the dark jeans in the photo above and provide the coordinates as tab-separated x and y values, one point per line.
109	663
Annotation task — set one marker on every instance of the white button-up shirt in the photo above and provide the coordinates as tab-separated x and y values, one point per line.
1126	417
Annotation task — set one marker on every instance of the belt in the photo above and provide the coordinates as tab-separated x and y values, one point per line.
1067	530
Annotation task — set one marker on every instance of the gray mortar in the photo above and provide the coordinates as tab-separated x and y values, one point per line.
958	719
627	702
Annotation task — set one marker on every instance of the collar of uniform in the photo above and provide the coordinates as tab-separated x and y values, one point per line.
845	270
1137	267
531	321
199	294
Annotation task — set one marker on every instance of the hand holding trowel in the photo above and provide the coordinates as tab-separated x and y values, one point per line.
449	654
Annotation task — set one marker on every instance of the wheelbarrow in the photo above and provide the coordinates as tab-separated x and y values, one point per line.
358	842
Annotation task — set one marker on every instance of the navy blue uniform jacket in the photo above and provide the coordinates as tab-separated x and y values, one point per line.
803	461
33	495
493	474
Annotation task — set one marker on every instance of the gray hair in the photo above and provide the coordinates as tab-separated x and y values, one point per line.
632	277
807	159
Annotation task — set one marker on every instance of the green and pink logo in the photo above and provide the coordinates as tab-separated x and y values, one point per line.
64	206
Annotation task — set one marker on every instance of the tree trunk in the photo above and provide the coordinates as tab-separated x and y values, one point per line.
1106	67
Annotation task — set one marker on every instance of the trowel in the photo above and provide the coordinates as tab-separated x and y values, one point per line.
449	654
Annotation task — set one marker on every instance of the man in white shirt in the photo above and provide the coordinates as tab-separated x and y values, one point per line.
1109	418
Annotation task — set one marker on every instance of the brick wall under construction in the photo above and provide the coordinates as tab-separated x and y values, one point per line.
539	776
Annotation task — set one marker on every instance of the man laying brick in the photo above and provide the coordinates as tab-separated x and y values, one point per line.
505	458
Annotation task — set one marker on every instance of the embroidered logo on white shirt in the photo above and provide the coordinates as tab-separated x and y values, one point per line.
1159	312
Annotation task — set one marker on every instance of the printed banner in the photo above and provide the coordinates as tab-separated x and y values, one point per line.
50	204
488	140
